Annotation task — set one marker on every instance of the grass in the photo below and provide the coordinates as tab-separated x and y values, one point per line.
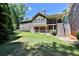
35	38
36	44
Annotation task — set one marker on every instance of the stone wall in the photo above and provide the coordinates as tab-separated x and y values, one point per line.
74	18
26	27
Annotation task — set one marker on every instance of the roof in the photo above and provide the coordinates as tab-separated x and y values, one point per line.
55	16
37	15
49	17
26	21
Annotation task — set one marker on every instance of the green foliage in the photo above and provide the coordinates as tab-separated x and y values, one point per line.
17	13
9	19
4	30
65	10
77	35
3	33
36	44
53	32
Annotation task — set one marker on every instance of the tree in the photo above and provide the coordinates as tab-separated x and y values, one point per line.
4	20
17	14
10	14
65	10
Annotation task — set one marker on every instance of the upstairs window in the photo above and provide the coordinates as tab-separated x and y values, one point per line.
35	21
39	20
42	20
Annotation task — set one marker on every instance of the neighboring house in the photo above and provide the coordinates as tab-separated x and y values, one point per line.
44	23
74	17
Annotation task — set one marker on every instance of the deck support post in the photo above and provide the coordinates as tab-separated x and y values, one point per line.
46	28
38	28
53	27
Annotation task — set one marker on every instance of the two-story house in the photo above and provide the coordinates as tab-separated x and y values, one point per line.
44	24
64	24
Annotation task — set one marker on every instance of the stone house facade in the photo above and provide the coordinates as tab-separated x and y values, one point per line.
45	23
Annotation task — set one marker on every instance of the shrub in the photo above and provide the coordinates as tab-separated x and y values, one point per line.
27	30
53	32
3	33
77	35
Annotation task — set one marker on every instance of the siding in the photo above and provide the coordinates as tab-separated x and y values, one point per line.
39	20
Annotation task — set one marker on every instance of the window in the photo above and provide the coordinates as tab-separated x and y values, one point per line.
42	20
38	20
35	21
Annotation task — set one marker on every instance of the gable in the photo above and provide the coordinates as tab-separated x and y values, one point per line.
39	19
39	14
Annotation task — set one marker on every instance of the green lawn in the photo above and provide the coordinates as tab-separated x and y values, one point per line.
36	44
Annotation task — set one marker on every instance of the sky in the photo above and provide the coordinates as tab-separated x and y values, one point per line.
51	8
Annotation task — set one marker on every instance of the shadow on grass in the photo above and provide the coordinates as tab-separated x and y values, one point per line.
44	49
13	37
9	48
